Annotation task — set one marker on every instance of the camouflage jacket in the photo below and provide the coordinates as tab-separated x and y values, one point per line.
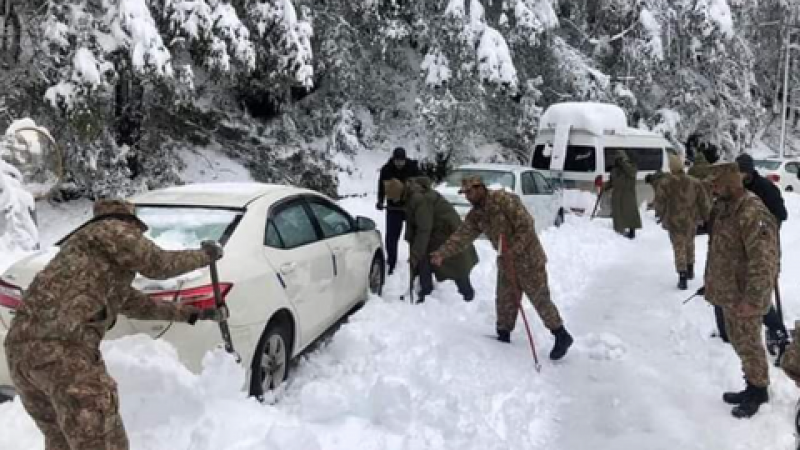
503	214
743	256
78	295
680	202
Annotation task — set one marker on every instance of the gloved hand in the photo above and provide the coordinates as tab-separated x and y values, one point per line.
379	206
216	314
701	291
212	249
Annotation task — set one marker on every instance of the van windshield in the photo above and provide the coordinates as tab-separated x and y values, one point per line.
646	159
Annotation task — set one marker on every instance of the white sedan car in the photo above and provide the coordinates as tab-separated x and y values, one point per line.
540	198
784	173
295	264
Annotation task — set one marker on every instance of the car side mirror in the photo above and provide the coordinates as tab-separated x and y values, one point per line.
365	224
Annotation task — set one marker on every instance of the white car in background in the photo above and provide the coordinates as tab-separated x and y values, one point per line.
784	173
534	189
295	264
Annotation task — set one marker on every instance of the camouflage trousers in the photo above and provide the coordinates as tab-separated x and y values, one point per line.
747	341
531	279
683	248
69	394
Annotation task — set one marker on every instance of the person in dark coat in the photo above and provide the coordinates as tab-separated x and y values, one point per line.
400	168
763	188
430	220
624	207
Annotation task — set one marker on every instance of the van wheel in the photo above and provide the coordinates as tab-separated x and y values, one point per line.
560	218
271	360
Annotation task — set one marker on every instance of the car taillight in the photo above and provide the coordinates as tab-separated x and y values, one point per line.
200	297
10	295
774	177
598	183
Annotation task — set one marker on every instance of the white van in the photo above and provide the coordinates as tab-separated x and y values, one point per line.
576	144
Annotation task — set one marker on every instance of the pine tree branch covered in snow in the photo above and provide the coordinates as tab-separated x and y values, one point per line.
126	83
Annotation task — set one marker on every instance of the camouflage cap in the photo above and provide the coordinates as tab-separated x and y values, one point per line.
718	170
104	207
469	182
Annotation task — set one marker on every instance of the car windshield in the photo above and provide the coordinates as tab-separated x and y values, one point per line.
494	179
767	164
185	227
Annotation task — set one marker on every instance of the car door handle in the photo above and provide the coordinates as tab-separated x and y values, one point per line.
288	268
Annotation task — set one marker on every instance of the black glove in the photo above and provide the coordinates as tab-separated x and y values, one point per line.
701	291
379	206
212	249
215	314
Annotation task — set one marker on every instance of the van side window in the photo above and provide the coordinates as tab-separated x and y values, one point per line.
648	159
541	159
580	158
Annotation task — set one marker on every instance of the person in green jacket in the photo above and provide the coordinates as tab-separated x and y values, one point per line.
430	220
624	207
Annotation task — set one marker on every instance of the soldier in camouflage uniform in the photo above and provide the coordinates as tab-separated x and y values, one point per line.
502	217
53	343
430	220
740	276
680	202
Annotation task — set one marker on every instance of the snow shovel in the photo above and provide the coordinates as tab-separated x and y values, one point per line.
223	324
596	204
512	273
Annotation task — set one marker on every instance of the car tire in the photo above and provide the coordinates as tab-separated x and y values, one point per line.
377	276
789	189
559	218
271	360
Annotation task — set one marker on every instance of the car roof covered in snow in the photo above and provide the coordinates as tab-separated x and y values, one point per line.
495	167
230	195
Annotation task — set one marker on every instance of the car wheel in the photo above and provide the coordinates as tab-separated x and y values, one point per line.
271	360
789	189
376	276
560	218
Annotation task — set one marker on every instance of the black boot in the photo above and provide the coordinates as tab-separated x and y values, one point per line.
563	342
690	271
682	283
735	398
754	397
631	234
504	336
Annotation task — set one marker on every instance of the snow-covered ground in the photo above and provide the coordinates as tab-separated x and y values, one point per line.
644	372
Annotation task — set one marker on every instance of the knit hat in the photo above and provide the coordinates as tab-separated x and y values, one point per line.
675	164
104	207
394	189
746	163
399	153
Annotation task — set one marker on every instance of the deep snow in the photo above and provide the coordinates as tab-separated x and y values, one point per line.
643	374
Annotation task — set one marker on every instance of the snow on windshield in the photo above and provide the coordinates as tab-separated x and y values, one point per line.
178	228
767	165
494	179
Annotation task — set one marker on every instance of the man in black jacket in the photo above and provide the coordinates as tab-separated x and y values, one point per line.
399	167
770	195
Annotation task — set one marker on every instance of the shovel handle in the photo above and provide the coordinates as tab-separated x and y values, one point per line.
223	324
